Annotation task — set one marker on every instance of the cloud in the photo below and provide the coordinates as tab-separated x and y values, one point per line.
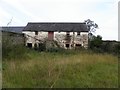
103	12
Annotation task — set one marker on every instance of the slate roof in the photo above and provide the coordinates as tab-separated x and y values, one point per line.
61	27
16	29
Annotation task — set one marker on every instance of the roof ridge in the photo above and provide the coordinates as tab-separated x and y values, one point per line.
56	22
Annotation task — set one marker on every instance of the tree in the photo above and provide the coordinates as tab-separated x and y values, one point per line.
91	25
96	42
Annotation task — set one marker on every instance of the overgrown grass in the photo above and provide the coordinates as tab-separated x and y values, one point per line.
67	69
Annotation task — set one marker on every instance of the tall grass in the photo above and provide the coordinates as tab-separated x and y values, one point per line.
68	68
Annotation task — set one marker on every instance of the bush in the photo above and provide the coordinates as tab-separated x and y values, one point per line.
96	42
99	46
12	52
42	47
110	47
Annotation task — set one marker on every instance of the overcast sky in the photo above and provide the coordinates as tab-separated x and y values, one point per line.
102	12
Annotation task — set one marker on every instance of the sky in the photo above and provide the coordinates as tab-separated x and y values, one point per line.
102	12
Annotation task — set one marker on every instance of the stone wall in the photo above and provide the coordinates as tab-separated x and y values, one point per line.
81	39
32	38
60	37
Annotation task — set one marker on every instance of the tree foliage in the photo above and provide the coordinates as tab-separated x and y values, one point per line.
92	26
96	42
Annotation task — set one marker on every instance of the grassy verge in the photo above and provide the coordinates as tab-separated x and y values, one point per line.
61	69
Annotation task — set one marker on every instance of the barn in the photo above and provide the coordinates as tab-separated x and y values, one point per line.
67	35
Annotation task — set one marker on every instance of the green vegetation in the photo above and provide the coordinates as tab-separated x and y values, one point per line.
96	44
65	68
55	68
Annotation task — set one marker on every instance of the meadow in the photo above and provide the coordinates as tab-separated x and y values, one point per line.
65	69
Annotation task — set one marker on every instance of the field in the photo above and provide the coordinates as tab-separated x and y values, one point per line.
68	69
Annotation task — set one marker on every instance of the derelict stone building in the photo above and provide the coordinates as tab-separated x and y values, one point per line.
67	35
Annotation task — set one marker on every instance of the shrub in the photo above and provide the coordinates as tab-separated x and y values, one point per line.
96	42
42	47
16	51
110	47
